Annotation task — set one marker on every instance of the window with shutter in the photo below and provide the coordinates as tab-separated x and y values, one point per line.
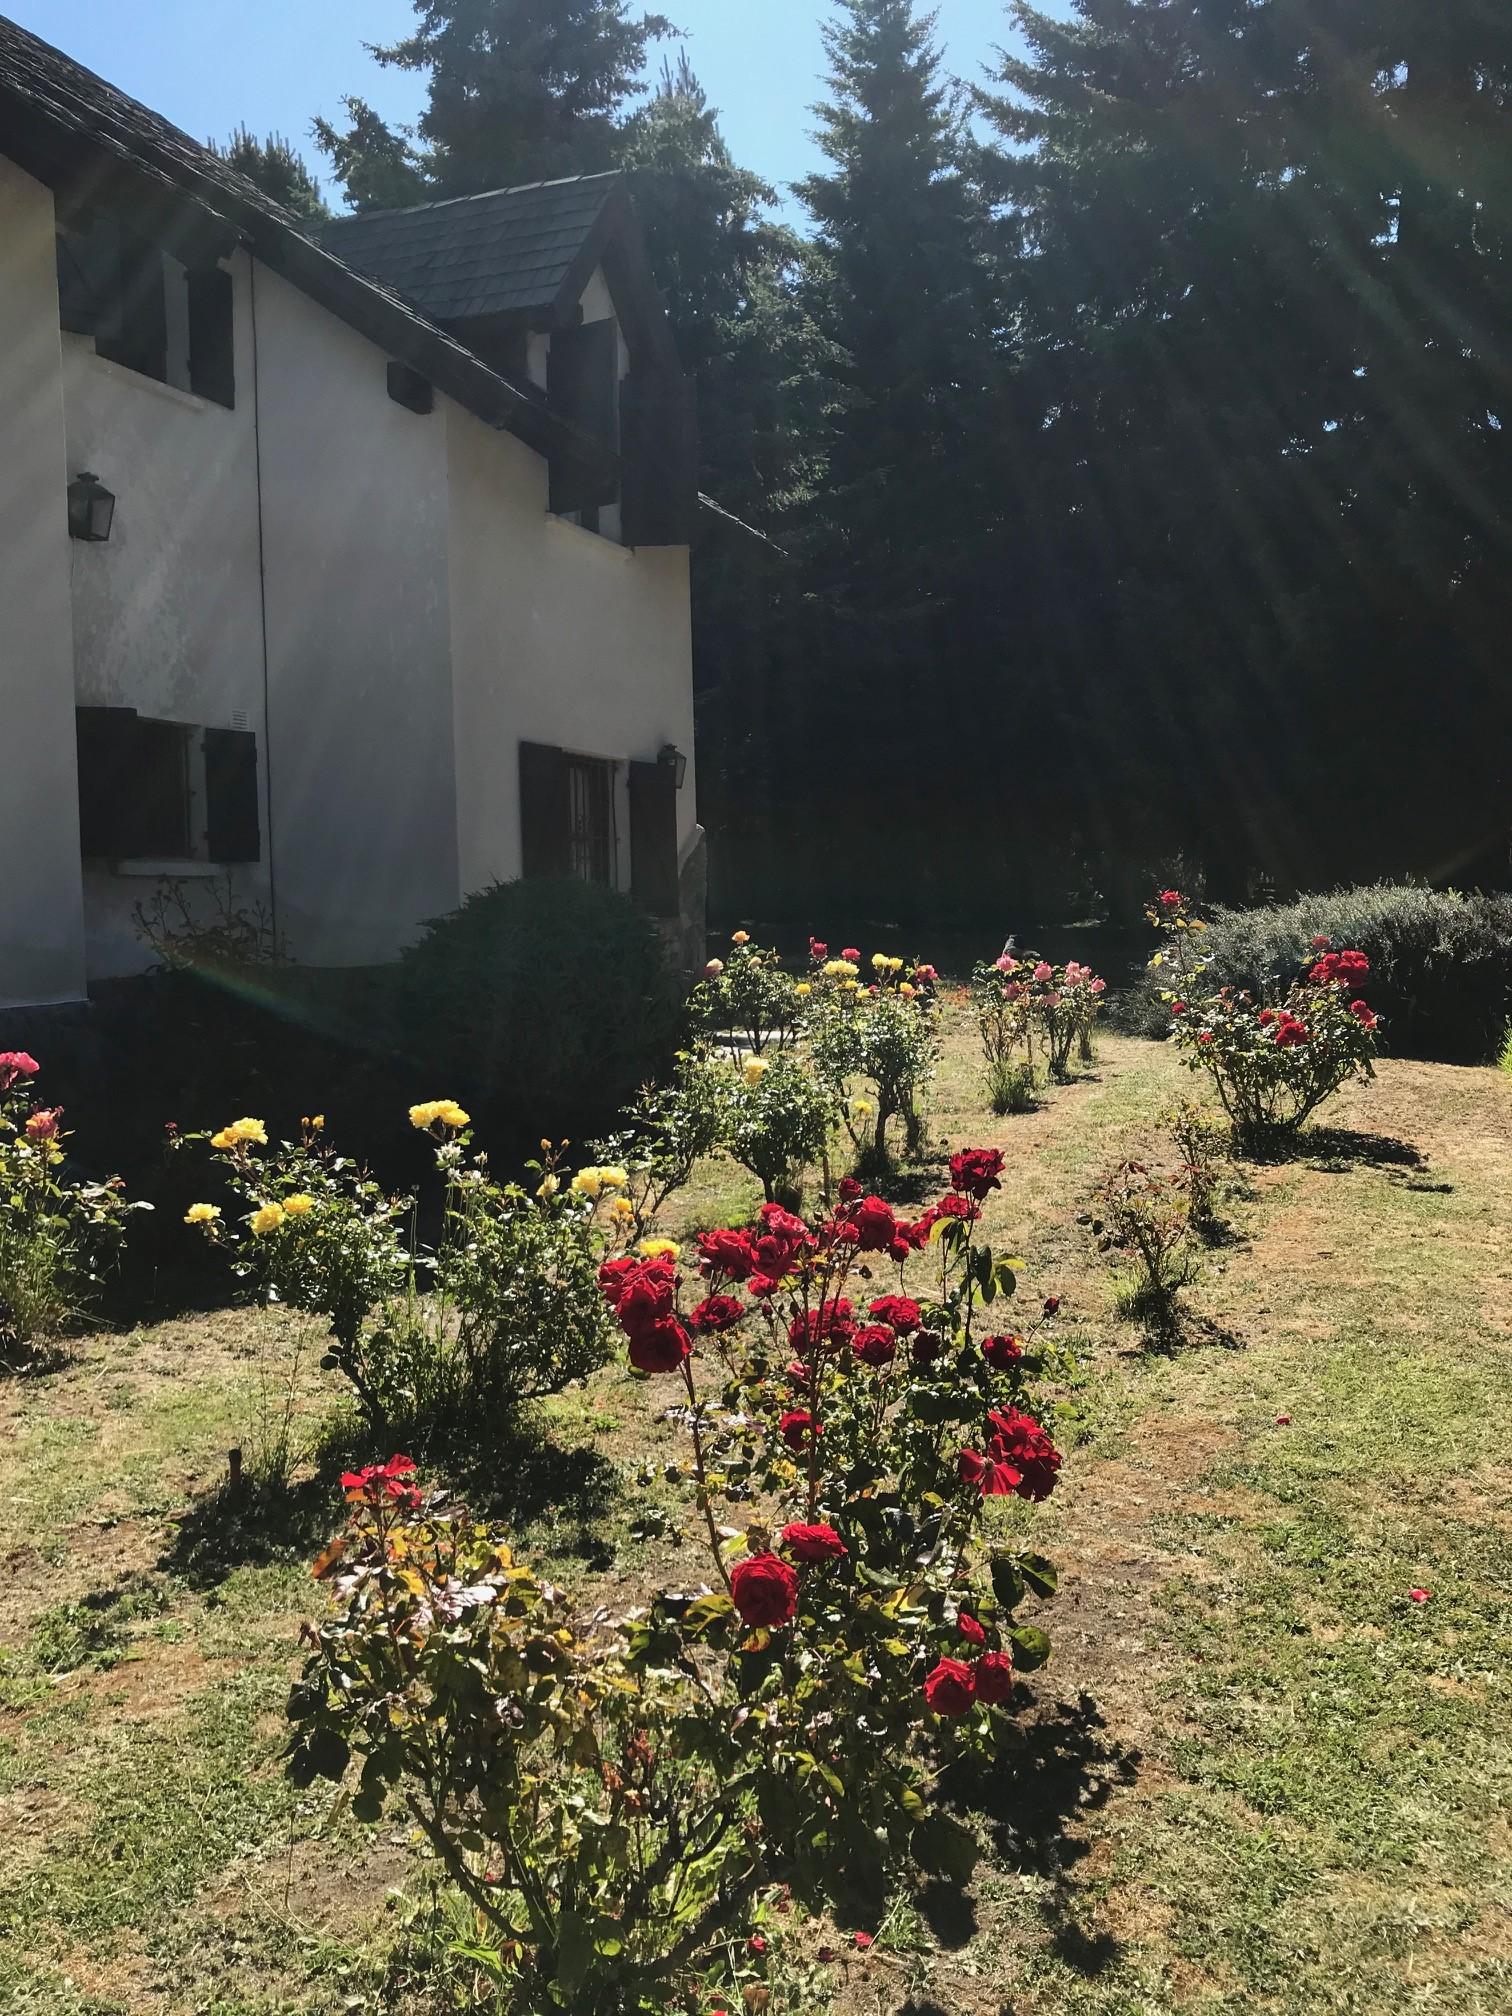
139	339
544	827
133	785
233	822
582	386
653	838
659	421
212	352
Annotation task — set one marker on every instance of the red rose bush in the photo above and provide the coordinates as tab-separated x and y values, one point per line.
606	1794
1273	1061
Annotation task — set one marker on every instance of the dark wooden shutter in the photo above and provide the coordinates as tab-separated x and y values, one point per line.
582	370
544	833
212	348
653	838
141	341
108	765
659	424
89	277
233	823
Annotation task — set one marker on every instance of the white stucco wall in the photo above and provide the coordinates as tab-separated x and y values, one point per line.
360	717
41	923
167	614
558	636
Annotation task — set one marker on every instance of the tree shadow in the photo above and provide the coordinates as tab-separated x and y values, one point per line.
1336	1149
1175	1329
250	1523
1057	1767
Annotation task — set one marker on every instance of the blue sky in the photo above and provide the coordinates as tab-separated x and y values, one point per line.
208	64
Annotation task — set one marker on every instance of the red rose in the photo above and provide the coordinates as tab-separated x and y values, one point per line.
977	1170
875	1344
1052	1305
1267	1016
992	1477
850	954
818	950
1322	942
725	1252
898	1310
950	1687
813	1543
765	1590
715	1313
952	1205
970	1629
647	1295
1170	899
1019	1441
993	1674
659	1347
927	1346
876	1224
1291	1035
832	1319
381	1481
796	1427
1002	1352
1364	1014
612	1277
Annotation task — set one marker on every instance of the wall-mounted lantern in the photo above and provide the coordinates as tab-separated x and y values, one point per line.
91	508
673	759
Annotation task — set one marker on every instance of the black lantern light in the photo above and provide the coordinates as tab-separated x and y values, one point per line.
91	507
673	759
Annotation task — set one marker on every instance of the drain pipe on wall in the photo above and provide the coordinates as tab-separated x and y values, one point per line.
262	591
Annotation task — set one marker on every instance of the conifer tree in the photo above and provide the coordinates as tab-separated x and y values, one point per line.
276	169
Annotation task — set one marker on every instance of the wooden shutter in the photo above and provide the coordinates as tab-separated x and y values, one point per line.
582	369
141	342
545	846
653	838
212	349
89	277
233	823
659	419
108	764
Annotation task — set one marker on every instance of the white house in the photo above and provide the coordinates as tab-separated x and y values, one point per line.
394	600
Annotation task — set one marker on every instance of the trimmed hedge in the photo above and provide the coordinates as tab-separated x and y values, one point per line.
551	999
1441	962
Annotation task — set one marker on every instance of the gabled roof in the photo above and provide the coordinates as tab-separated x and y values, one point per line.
92	144
511	252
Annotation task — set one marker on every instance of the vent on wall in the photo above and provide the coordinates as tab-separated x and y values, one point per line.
239	719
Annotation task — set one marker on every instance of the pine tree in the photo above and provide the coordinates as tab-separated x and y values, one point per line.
902	294
1259	454
517	91
276	169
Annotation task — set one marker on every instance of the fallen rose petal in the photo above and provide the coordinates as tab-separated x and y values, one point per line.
1283	1420
1420	1595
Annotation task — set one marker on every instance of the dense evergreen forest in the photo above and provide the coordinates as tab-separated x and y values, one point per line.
1132	427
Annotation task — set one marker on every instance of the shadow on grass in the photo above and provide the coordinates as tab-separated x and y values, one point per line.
1172	1328
516	1476
1335	1149
1060	1765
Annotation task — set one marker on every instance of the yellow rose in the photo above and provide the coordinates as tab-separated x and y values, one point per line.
754	1070
299	1205
740	938
202	1214
803	990
907	990
839	969
862	1109
659	1249
548	1186
622	1208
439	1112
225	1139
895	965
266	1219
879	962
614	1178
588	1182
318	1123
251	1130
848	987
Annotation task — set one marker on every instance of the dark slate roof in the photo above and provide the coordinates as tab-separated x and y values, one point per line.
86	140
508	251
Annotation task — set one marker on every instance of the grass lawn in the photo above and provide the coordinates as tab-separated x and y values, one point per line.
1256	1775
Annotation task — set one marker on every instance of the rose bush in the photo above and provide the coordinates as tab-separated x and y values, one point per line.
874	1044
503	1309
1027	1005
608	1795
57	1230
1273	1060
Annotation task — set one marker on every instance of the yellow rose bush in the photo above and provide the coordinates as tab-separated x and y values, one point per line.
446	1339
